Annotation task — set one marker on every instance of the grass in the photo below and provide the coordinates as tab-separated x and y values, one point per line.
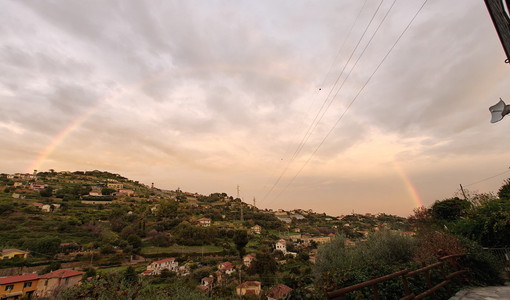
138	268
181	249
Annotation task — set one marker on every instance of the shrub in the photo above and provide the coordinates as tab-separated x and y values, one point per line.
485	268
436	244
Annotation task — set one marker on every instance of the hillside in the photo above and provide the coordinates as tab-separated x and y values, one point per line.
104	220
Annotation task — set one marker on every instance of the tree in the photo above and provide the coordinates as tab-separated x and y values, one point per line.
264	263
167	209
449	209
504	190
241	239
107	191
130	274
46	246
46	192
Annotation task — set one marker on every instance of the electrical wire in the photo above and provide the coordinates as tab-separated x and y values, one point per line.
356	96
313	125
488	178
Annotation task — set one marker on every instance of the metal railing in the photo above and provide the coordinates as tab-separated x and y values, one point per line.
447	262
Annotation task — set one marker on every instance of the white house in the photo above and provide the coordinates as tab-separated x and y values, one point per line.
156	267
282	246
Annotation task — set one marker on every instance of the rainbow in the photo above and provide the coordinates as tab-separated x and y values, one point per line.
409	184
59	138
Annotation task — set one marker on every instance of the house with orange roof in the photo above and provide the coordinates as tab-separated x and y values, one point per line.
13	253
226	267
278	291
257	229
53	282
204	222
247	259
157	266
17	287
206	284
249	288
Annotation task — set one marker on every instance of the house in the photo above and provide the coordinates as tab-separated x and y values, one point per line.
278	292
115	185
17	287
49	284
248	288
204	222
202	289
207	282
247	259
50	207
13	253
37	186
183	270
156	267
256	229
18	196
282	246
226	267
127	192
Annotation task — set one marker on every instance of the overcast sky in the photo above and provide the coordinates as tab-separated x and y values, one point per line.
208	95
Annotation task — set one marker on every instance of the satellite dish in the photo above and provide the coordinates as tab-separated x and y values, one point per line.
499	110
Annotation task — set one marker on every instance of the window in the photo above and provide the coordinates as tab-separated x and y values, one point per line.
9	287
27	284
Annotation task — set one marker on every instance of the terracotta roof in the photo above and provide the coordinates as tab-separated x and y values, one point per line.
279	291
164	260
21	278
62	273
204	219
247	284
203	288
226	266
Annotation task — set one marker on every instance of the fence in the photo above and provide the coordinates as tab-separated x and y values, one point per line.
445	263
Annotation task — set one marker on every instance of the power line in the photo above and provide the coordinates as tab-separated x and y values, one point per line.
314	123
357	95
485	179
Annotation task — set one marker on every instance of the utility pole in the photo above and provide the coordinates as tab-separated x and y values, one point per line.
254	203
462	189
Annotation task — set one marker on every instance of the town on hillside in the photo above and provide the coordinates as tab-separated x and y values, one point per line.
67	235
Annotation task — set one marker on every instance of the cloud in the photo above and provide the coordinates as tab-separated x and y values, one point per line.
211	94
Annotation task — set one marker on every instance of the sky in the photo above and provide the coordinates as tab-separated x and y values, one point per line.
337	106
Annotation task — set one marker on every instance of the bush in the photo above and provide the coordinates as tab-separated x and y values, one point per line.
485	268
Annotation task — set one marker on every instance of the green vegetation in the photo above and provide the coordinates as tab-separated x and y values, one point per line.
158	224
